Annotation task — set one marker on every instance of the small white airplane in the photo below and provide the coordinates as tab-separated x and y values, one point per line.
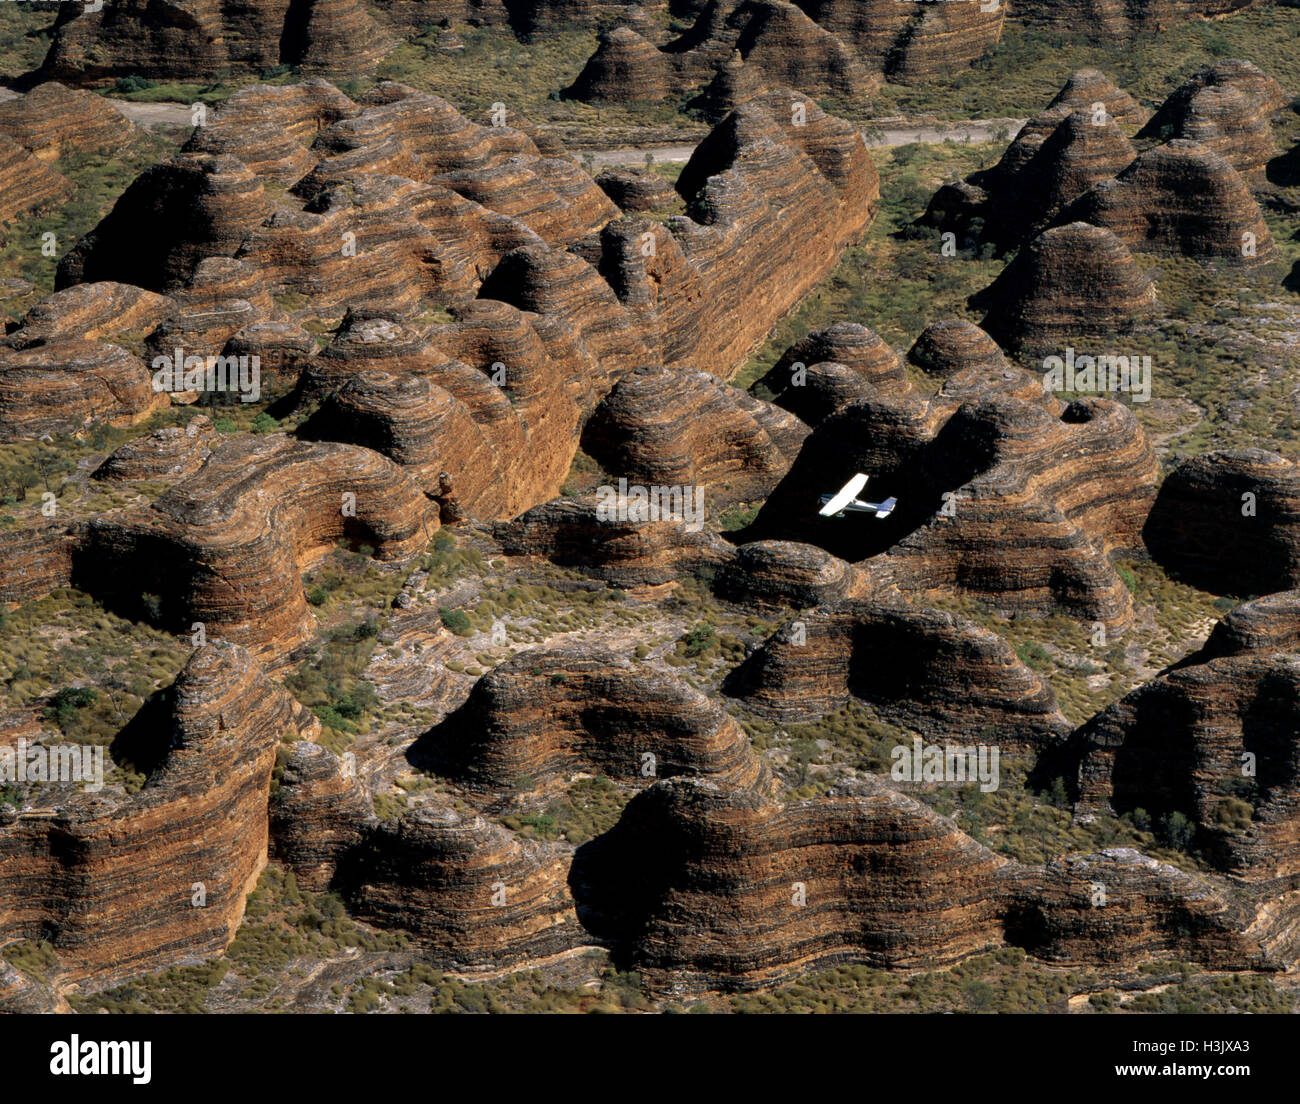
847	499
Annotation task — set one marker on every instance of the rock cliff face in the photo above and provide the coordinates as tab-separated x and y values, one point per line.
52	120
1229	522
27	186
615	538
1055	158
398	202
1179	199
206	40
685	429
124	884
891	656
831	368
1069	286
990	462
549	713
227	546
703	887
1215	740
624	69
1226	108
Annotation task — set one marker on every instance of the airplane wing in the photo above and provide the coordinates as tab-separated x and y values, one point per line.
847	494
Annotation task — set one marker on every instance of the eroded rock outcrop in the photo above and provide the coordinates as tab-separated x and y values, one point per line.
1180	199
1226	108
549	713
52	120
108	879
703	887
624	69
227	545
199	39
892	656
1070	285
989	463
1214	740
1229	522
617	538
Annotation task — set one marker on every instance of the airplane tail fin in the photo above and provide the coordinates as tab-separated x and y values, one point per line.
887	507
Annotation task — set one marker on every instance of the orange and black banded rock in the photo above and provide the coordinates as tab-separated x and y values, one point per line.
475	895
52	120
786	574
635	190
623	540
1086	88
549	713
1225	107
1119	22
1056	157
27	186
1120	905
320	810
732	85
172	453
198	39
1180	199
939	40
228	545
61	370
1229	522
624	69
930	670
1069	286
1267	624
954	345
1215	740
667	427
777	39
808	379
701	887
990	464
121	884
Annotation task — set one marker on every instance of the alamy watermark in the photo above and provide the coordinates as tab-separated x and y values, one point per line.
179	372
1098	375
637	503
922	762
26	762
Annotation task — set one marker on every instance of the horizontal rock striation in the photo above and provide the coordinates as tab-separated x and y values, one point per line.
227	545
1226	108
1229	522
624	69
52	120
701	887
929	670
615	538
199	39
110	880
786	574
1070	286
687	429
1179	199
1214	740
549	713
27	185
989	466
